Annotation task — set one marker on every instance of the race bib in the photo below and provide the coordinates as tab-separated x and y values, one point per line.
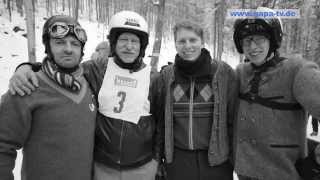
124	95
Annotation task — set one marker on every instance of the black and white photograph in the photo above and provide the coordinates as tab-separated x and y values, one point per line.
159	90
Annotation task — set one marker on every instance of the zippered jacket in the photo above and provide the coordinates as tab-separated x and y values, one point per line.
118	143
224	88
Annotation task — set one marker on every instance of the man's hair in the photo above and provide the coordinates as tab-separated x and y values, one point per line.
189	25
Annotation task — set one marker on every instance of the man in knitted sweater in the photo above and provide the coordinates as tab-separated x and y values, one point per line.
55	124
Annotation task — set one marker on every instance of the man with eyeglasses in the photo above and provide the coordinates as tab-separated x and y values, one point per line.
54	125
275	95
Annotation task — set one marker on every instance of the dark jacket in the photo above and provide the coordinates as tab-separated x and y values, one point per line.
120	143
224	88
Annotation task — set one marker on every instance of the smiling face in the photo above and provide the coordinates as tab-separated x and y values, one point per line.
128	47
188	44
256	48
66	51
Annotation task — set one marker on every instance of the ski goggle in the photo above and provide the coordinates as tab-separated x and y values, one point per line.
61	29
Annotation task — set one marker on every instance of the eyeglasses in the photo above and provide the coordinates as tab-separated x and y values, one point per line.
61	29
258	40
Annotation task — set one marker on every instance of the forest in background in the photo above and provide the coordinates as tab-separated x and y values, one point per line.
301	36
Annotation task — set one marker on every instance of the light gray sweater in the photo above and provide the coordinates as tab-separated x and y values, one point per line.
269	141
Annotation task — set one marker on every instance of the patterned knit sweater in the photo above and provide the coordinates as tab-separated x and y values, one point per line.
54	127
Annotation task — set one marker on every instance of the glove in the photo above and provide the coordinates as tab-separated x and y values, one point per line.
309	167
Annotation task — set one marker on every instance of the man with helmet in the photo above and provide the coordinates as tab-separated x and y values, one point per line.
275	93
58	119
126	145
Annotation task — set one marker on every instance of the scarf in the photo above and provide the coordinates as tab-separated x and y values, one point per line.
63	79
199	67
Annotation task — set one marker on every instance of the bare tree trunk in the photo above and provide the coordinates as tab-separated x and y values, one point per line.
81	6
9	9
220	30
214	31
90	9
266	3
51	7
76	9
158	36
31	30
241	57
144	8
34	4
274	3
317	48
19	4
56	4
48	8
97	10
69	6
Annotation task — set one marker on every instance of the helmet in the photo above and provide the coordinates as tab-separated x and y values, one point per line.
70	26
128	21
269	27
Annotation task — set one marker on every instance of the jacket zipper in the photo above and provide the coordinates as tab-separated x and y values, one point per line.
191	146
120	143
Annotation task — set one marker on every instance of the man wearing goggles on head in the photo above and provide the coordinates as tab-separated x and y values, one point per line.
55	125
61	28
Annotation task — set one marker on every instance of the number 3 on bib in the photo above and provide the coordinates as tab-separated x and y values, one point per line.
122	96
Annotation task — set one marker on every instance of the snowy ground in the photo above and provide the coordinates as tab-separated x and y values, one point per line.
13	51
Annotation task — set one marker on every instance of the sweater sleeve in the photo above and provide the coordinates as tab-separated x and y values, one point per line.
232	102
306	87
15	122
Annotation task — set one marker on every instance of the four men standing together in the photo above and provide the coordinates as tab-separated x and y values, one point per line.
199	118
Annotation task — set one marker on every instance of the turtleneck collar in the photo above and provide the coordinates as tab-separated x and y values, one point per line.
134	66
199	67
